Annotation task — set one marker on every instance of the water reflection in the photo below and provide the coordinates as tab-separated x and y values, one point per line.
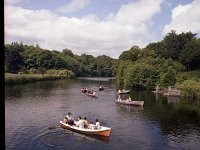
161	123
128	107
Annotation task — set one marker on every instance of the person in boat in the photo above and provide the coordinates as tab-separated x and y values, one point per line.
94	93
80	122
119	98
85	122
129	99
69	119
91	126
97	125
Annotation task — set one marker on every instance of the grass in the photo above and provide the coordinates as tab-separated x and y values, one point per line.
11	78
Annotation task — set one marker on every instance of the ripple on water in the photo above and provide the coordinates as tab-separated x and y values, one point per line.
60	139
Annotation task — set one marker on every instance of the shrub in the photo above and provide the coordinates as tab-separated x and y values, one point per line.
190	88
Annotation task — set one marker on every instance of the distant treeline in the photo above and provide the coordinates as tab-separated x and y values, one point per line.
174	61
35	60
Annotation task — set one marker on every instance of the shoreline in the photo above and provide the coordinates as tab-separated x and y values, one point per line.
12	79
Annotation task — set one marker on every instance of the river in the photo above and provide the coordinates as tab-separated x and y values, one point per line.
33	112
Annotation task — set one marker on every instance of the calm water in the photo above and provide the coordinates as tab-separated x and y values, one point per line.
33	112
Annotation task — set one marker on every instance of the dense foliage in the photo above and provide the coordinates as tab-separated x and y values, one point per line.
33	59
190	88
166	63
169	62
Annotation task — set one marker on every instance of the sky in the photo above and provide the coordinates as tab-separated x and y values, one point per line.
97	27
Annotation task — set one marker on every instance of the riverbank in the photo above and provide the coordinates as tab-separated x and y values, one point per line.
11	78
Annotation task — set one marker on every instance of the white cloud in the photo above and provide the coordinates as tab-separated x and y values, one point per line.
12	2
128	27
74	5
185	18
137	12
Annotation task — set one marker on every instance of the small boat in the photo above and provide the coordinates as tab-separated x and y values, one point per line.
104	131
92	94
84	90
128	102
101	88
123	92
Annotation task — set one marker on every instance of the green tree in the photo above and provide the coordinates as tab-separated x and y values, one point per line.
190	88
190	56
140	75
67	52
120	71
14	61
174	43
130	55
169	78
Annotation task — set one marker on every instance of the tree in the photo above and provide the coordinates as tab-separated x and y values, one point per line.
130	55
174	44
14	61
67	52
140	75
169	78
190	56
190	88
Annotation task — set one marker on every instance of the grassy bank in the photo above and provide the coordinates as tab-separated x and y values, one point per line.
11	79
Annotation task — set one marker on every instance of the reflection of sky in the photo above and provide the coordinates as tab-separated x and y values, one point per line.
40	105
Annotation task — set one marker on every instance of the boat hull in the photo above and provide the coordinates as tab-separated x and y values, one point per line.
105	131
124	92
136	103
92	95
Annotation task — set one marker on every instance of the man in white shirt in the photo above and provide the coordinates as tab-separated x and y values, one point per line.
97	125
80	123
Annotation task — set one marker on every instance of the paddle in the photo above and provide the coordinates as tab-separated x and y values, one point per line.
54	127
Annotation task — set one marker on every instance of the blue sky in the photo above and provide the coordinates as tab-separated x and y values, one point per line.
97	27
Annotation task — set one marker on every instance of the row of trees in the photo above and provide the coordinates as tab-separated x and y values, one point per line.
171	61
22	58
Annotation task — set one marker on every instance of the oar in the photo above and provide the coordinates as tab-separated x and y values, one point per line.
54	127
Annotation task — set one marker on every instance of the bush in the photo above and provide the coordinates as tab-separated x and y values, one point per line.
190	88
140	75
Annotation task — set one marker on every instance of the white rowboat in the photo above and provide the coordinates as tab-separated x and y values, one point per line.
103	131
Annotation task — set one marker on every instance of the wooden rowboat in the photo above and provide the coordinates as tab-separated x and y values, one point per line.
126	102
92	95
123	92
84	90
104	131
101	88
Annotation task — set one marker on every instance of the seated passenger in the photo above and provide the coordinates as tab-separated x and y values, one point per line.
69	119
80	122
85	122
91	126
97	125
